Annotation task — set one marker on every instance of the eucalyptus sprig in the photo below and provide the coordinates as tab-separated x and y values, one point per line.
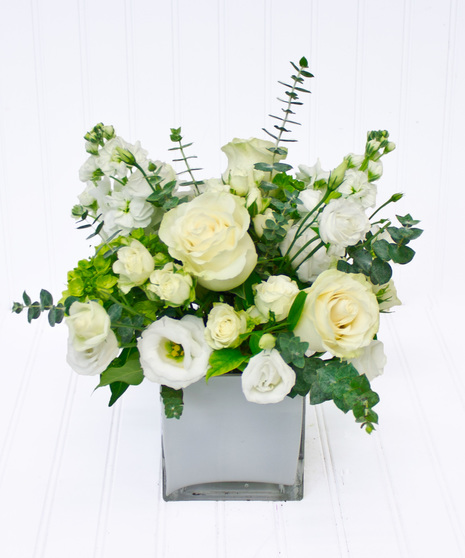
176	137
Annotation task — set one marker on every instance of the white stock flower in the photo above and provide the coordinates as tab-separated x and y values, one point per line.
172	286
137	185
92	345
95	192
86	172
125	213
355	186
310	175
375	170
209	236
386	295
267	378
134	265
310	199
354	161
173	352
242	156
109	159
224	325
343	223
276	295
340	315
371	361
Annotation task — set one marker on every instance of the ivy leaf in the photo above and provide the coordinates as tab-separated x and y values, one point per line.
223	361
172	401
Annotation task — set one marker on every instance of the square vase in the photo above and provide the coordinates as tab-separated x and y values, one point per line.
226	448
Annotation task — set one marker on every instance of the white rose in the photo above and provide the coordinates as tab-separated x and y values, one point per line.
176	288
209	235
214	185
174	352
125	213
343	223
224	325
242	156
276	295
356	187
92	345
267	378
134	265
372	360
340	315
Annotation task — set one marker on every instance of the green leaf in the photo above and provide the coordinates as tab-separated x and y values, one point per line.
117	390
33	312
26	299
265	167
381	272
52	316
296	310
69	301
115	312
362	258
172	401
381	249
282	167
303	62
401	254
292	348
407	220
223	361
344	266
46	299
130	372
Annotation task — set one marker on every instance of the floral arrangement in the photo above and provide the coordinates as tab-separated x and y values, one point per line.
281	276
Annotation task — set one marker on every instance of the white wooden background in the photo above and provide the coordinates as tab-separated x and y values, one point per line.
80	480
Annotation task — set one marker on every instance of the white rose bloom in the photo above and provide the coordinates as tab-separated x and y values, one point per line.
343	223
209	235
174	288
224	325
134	265
242	156
267	378
310	175
340	315
214	185
173	352
356	187
372	360
92	345
125	213
276	295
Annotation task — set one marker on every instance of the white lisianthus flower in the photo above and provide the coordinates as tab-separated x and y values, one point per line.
92	345
343	223
209	236
242	156
125	213
134	265
224	325
276	295
355	186
371	361
174	287
173	352
310	175
340	315
267	378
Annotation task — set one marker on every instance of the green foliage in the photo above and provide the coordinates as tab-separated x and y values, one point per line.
56	313
292	349
126	368
176	137
223	361
172	401
296	310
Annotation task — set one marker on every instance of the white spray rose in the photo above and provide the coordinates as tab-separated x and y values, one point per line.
173	352
356	187
343	223
276	295
340	315
134	266
371	361
172	286
242	156
224	325
209	235
92	345
267	378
